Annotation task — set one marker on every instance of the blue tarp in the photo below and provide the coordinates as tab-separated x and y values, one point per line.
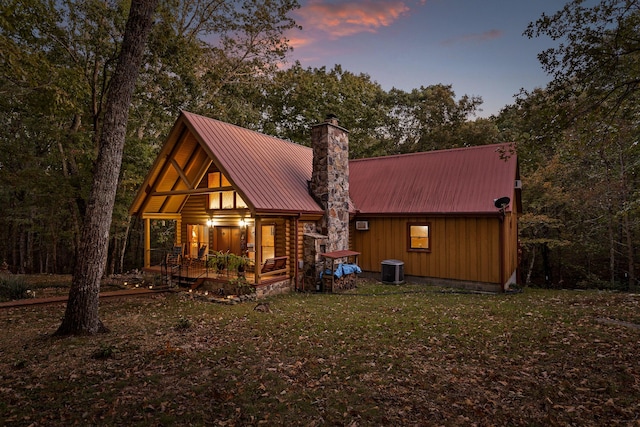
343	269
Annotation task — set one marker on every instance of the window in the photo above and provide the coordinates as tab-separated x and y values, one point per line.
227	200
268	241
419	236
240	204
223	199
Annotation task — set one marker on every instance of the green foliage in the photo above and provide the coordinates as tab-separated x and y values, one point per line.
55	70
298	97
597	59
218	260
379	122
183	324
242	287
104	352
430	118
237	263
577	145
576	139
13	287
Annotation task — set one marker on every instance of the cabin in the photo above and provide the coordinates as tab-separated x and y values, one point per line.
449	216
292	213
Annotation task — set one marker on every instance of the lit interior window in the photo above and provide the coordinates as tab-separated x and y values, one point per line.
213	180
240	204
227	199
419	236
214	201
268	241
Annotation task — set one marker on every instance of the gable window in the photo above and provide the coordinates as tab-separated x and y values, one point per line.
225	198
419	236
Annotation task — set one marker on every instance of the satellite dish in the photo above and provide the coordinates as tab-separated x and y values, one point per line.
502	202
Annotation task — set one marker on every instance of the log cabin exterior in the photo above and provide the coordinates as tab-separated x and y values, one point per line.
236	190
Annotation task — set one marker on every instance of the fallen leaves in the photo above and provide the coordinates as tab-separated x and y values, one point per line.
536	358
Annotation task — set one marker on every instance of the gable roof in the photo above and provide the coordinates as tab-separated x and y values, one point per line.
270	174
459	181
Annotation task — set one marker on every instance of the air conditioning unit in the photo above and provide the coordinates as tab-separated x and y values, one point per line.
392	271
362	225
518	185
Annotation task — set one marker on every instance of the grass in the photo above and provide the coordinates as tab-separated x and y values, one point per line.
382	355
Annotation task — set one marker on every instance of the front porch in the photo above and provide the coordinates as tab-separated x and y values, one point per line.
207	273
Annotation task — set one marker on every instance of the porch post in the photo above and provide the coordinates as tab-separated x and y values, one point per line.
147	242
258	267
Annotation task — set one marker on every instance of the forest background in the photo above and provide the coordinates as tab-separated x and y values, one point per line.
576	139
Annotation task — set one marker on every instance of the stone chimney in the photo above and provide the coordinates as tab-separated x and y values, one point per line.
329	183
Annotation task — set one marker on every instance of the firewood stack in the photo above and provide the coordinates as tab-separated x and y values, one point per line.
345	282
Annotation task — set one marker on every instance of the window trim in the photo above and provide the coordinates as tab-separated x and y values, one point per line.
421	224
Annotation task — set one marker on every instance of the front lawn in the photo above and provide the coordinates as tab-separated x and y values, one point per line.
383	355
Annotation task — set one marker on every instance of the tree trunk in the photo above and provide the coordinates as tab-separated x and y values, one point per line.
612	250
76	204
546	266
125	239
531	265
112	257
81	315
630	253
30	263
626	223
23	248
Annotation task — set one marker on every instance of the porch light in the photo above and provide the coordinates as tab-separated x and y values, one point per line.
243	223
210	222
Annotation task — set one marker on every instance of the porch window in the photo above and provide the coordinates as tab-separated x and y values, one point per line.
419	237
268	241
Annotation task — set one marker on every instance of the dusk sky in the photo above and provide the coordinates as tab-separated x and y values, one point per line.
476	46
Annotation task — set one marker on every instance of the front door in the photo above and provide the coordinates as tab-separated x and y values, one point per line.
228	239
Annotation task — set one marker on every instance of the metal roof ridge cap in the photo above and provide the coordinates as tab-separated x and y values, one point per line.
485	146
187	113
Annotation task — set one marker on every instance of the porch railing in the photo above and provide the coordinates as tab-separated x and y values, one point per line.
181	270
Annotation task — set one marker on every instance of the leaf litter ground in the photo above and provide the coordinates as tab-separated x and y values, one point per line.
381	355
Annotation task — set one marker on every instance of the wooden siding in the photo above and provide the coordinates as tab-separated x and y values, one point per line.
463	248
510	249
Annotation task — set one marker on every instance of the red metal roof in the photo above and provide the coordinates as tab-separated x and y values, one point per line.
461	181
270	173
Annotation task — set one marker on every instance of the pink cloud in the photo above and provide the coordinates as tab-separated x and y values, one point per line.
487	35
297	40
349	18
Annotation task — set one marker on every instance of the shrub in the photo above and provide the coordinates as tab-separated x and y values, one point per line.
183	323
104	352
12	288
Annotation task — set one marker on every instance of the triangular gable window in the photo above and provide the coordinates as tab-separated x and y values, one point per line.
226	198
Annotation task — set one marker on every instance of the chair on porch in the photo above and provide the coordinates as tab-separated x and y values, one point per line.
174	257
201	258
202	252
